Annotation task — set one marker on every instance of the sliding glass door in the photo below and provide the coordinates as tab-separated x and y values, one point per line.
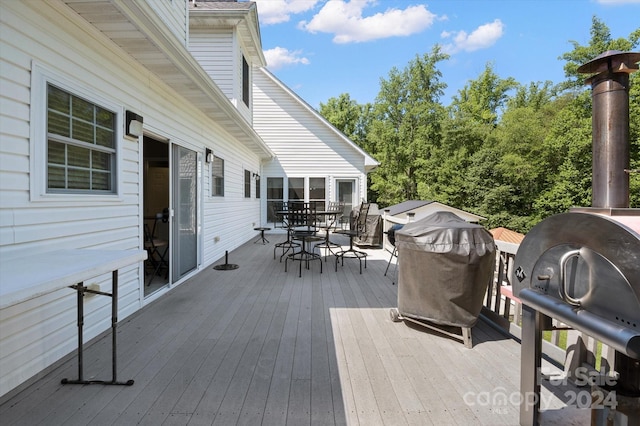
185	207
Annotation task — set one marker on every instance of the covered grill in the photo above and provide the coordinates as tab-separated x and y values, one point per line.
583	267
445	265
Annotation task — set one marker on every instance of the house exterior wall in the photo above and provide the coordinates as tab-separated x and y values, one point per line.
214	50
304	144
174	14
40	39
220	54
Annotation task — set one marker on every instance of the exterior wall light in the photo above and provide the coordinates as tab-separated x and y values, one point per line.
133	124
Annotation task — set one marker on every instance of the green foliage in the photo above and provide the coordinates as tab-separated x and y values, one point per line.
599	43
512	153
483	98
347	116
405	123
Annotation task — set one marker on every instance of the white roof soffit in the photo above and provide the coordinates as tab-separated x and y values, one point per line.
136	28
240	15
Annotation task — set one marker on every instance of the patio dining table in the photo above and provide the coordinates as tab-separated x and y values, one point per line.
306	215
329	215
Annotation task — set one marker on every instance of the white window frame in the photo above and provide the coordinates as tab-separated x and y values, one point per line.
246	181
224	177
41	77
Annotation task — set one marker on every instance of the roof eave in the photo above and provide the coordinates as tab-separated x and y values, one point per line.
244	19
150	42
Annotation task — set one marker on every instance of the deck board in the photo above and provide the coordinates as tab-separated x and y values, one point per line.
259	345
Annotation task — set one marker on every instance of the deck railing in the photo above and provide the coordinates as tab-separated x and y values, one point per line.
571	348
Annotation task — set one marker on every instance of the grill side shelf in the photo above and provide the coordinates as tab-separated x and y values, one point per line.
624	339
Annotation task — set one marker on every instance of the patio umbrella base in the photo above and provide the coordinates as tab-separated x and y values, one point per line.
226	266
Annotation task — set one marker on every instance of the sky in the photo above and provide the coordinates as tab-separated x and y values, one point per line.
323	48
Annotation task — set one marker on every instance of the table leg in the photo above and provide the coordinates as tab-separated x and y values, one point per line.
81	290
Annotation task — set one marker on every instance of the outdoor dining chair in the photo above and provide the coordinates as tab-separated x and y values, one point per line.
328	220
302	219
156	248
280	212
358	228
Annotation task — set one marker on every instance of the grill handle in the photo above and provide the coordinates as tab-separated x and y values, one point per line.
562	288
623	339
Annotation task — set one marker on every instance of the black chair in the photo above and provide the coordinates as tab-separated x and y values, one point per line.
391	236
329	220
302	218
280	211
358	228
156	248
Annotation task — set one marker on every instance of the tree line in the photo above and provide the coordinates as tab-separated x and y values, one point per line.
509	152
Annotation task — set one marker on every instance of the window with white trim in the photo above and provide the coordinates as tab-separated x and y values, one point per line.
247	184
246	81
217	177
81	145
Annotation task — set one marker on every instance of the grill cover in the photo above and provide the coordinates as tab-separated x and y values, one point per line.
445	265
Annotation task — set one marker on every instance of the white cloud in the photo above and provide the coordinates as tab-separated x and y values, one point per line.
344	19
278	11
279	57
482	37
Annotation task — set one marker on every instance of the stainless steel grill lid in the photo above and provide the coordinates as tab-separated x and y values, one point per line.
584	267
445	265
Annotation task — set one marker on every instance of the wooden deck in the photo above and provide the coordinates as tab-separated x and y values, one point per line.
257	345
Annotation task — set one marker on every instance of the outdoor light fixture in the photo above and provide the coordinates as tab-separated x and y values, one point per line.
255	175
133	124
208	157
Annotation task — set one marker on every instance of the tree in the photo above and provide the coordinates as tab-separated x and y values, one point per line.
599	43
483	98
347	116
571	138
405	123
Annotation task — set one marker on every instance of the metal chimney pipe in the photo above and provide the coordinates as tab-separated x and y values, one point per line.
610	121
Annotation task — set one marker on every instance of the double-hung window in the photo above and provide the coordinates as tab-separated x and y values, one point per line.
247	184
217	177
81	145
246	81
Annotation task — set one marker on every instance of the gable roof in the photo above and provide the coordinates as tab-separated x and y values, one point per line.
231	14
406	206
423	207
370	163
507	235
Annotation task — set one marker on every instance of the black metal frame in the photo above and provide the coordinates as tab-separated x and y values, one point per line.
302	218
360	227
288	244
81	290
261	238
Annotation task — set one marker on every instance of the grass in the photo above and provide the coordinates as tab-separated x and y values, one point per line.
562	343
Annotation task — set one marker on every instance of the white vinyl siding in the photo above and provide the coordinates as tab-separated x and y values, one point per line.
215	53
35	334
220	55
174	14
305	145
